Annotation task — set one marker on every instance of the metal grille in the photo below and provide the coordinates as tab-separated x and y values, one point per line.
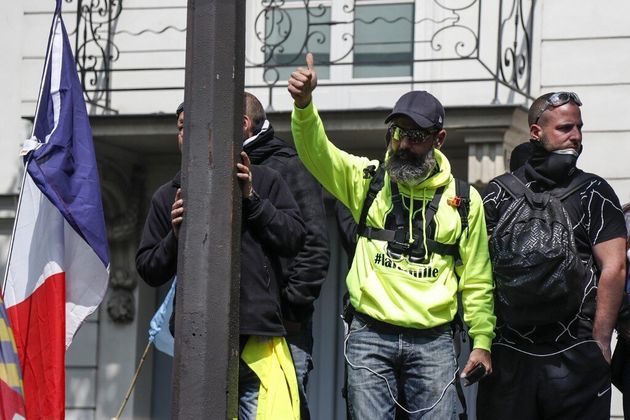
140	47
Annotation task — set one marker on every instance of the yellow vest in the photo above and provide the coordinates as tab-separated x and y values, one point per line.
269	358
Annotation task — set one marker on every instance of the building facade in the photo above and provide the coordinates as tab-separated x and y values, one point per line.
484	59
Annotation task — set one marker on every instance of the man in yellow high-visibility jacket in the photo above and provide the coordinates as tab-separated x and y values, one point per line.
404	279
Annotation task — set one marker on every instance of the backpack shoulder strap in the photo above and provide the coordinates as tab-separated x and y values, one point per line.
462	202
578	181
376	184
511	184
433	206
462	192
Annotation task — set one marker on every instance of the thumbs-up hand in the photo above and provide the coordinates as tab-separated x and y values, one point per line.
302	83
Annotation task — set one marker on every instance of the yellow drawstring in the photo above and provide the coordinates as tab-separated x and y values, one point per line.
424	222
410	218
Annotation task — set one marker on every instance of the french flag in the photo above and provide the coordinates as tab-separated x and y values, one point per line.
58	265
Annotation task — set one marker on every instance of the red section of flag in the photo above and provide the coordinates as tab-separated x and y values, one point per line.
11	402
39	327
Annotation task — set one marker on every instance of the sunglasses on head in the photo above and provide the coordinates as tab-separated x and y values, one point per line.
558	99
413	135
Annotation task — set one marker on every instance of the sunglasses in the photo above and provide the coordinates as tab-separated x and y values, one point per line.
558	99
414	135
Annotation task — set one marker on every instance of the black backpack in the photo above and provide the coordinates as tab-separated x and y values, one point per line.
539	276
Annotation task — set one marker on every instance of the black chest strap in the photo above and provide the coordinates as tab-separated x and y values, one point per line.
376	184
400	236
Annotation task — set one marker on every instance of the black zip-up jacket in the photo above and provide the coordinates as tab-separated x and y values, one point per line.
304	274
156	258
271	228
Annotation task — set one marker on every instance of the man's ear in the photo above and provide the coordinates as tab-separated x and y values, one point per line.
247	126
535	132
439	139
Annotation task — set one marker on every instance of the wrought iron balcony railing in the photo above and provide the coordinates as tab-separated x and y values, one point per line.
121	51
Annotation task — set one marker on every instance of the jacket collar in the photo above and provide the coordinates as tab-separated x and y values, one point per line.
266	128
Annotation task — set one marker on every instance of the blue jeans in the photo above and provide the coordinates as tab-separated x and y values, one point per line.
417	368
301	346
248	388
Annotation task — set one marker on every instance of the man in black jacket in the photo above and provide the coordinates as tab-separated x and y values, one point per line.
304	274
156	258
271	228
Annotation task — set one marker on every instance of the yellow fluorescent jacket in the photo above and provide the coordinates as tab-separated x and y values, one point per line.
397	291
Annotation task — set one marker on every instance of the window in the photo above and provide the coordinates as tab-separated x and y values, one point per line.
383	37
380	34
291	32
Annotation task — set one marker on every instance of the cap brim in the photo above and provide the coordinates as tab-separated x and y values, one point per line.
420	120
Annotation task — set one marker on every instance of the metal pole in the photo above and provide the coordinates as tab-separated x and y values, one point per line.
497	74
205	377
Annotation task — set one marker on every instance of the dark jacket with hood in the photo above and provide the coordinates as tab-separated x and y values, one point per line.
303	275
271	228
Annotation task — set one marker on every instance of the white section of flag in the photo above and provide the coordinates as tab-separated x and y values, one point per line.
45	244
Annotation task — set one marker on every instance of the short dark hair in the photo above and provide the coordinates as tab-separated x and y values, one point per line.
537	109
179	109
254	109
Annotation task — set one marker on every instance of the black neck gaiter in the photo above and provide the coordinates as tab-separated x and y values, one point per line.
551	168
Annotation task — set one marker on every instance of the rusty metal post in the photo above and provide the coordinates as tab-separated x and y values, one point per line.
205	376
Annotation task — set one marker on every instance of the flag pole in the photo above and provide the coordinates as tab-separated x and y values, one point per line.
39	99
132	385
46	64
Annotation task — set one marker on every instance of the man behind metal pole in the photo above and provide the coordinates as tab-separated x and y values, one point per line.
304	274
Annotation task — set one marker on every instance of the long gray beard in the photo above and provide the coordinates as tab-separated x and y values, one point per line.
403	167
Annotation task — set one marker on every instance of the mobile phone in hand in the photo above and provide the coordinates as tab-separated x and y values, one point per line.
474	375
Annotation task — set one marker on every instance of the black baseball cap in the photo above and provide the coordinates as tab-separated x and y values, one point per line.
179	110
422	107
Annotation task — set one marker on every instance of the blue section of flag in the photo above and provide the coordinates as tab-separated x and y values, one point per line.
7	352
159	333
64	166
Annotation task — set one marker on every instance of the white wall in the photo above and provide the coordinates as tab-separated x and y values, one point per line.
585	47
14	130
